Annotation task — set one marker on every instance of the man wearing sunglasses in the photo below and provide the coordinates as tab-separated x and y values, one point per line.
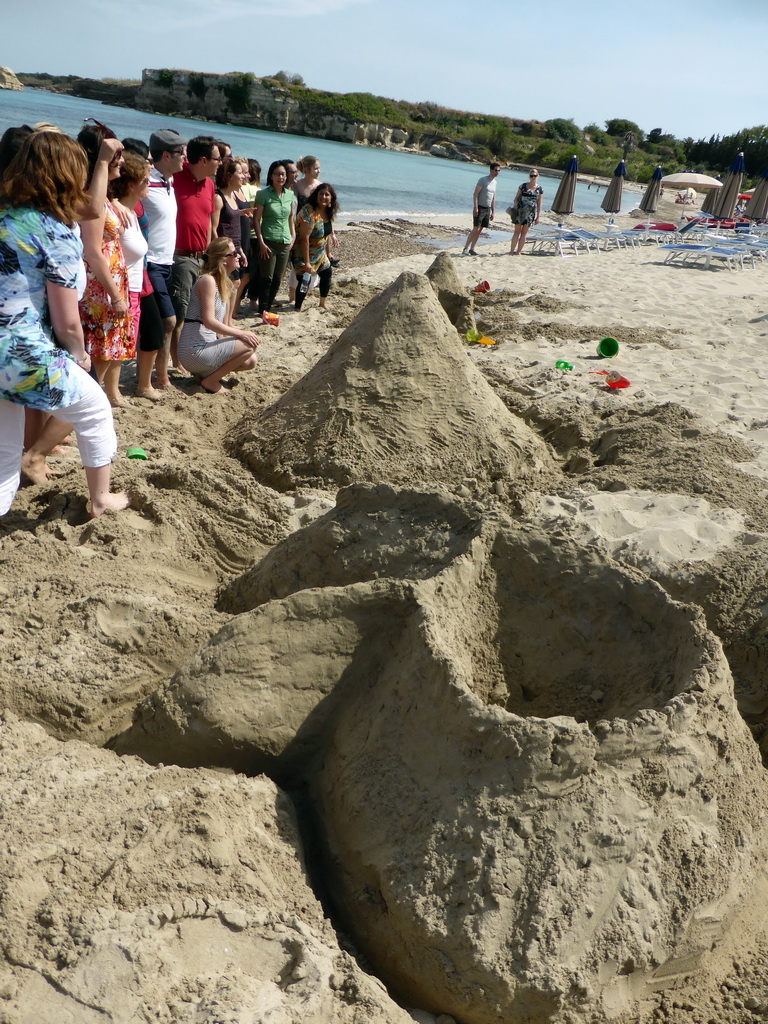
167	149
194	191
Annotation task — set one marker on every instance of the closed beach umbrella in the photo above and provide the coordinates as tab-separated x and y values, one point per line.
757	207
612	200
727	196
650	199
563	201
710	199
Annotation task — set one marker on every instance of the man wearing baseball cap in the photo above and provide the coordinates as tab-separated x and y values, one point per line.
167	149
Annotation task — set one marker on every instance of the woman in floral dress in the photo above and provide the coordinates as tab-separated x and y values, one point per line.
527	207
104	307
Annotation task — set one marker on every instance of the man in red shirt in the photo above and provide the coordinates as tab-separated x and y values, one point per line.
194	191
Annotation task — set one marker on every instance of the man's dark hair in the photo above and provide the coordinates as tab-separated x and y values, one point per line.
201	146
136	146
494	166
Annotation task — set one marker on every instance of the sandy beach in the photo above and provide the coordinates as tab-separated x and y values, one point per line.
106	627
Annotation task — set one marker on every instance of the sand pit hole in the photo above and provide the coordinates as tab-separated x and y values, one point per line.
561	634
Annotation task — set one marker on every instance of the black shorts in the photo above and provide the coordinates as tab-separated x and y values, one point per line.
150	325
160	276
483	217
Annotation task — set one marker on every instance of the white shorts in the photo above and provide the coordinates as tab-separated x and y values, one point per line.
91	417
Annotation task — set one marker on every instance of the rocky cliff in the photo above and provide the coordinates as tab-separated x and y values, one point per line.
9	81
260	103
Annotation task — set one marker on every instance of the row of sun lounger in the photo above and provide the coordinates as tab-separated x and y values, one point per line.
710	248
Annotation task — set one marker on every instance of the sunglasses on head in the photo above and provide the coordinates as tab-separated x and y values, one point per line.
108	133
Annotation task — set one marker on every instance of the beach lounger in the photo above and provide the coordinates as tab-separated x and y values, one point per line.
683	252
733	256
555	240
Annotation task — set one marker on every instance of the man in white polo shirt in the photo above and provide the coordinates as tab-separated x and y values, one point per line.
167	149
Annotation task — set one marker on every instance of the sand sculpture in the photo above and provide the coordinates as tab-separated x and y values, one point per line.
516	762
393	399
137	894
522	773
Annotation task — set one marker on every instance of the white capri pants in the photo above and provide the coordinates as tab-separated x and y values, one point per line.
91	416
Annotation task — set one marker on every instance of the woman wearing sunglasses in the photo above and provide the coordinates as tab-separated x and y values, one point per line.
209	347
526	210
105	306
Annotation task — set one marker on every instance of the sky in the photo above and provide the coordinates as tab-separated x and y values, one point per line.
690	67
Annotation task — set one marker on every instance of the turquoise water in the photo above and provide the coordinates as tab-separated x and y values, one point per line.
369	181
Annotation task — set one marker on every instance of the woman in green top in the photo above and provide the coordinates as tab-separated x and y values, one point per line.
275	231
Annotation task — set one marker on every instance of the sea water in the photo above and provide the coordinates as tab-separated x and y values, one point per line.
370	182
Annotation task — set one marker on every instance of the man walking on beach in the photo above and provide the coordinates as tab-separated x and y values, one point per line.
194	191
483	207
167	149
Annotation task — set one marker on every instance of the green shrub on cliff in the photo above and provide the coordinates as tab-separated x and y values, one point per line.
238	91
197	84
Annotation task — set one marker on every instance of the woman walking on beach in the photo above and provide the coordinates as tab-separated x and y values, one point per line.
527	210
208	346
104	306
310	253
40	198
275	230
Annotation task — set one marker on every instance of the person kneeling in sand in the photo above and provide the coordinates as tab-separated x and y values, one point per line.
208	347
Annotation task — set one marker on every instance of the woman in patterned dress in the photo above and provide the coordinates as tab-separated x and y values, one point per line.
314	225
527	207
43	361
105	306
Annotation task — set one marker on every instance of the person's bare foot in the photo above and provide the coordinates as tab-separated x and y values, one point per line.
117	401
213	387
34	468
163	383
109	503
150	393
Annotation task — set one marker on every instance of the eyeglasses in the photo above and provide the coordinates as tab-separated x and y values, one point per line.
177	152
533	175
108	133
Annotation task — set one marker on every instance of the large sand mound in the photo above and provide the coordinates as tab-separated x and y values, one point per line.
132	894
528	771
395	398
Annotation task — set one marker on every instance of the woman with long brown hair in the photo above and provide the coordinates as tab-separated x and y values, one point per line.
105	305
43	361
208	346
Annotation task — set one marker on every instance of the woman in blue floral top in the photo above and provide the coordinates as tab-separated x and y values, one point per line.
43	362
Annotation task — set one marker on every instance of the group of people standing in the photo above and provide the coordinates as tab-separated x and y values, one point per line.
524	211
112	250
